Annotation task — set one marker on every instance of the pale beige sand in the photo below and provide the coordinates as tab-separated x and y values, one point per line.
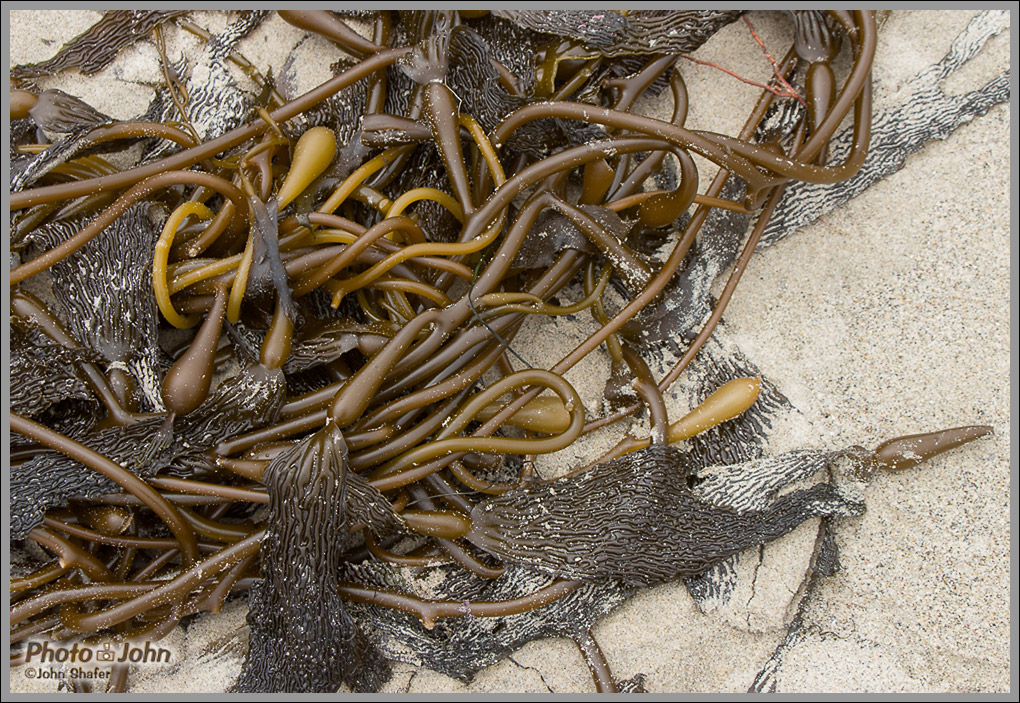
888	318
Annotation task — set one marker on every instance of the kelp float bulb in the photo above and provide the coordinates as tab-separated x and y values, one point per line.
313	154
187	382
726	403
22	101
910	450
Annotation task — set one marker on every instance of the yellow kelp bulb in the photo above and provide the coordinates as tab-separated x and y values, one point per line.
725	404
546	414
312	155
22	102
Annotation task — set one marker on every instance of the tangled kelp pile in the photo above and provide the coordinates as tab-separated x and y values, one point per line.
186	455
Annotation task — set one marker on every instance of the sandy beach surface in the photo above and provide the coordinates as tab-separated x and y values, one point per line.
889	316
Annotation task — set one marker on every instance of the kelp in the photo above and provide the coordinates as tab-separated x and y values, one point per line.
340	279
42	372
95	48
461	647
47	383
637	32
214	102
926	112
105	292
300	629
56	111
50	479
634	520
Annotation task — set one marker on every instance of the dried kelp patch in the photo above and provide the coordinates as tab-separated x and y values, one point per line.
635	520
638	32
461	647
96	48
43	373
302	638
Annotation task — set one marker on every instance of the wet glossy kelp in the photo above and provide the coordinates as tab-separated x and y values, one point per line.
340	278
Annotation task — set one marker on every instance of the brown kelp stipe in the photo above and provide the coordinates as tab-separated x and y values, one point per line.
317	363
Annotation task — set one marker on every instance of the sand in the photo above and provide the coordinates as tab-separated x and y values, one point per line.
889	317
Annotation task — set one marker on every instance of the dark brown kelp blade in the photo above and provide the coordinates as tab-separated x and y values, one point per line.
43	373
302	639
550	235
50	479
56	111
248	399
95	48
635	520
245	401
639	32
105	291
267	272
461	647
